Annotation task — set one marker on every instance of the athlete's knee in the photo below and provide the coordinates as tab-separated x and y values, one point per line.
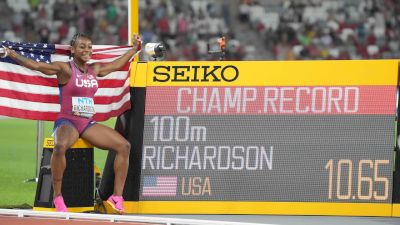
60	148
125	147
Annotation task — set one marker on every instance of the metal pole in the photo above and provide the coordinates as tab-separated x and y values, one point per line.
129	21
39	145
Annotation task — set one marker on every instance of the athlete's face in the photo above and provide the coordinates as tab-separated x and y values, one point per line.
82	49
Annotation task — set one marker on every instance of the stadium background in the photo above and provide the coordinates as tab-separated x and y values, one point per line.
256	30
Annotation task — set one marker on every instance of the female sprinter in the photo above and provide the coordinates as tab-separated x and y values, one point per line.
77	109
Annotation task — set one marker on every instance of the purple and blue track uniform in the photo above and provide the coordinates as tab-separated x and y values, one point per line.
77	100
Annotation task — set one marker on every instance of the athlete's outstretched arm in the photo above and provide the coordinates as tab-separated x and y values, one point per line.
104	69
46	68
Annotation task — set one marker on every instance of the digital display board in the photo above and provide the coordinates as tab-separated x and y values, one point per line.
269	132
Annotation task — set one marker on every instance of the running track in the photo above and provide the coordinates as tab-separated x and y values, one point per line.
29	217
14	220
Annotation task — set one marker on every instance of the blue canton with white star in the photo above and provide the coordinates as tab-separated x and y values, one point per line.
39	52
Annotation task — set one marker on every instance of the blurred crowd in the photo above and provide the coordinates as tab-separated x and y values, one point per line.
189	29
56	21
326	29
254	29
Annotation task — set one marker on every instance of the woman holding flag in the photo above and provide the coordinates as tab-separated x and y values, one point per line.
78	84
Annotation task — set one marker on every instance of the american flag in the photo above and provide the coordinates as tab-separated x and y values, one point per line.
29	94
159	186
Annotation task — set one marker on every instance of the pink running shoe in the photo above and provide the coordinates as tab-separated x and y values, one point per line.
115	204
59	204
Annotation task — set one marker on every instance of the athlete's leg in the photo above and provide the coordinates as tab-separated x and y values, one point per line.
65	136
106	138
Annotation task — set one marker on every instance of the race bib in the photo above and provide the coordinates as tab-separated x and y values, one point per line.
83	107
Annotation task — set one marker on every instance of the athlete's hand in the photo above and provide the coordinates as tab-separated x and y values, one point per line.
6	52
137	42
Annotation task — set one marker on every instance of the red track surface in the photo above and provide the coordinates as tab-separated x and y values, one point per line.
14	220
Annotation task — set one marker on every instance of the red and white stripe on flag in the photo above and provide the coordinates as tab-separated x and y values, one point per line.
29	94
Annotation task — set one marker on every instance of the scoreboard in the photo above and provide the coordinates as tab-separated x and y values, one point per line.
293	137
269	134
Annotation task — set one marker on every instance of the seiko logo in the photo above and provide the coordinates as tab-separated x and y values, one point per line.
195	73
86	83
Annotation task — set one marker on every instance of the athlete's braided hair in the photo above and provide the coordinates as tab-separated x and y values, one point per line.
75	38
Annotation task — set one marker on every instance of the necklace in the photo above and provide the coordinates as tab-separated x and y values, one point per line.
84	71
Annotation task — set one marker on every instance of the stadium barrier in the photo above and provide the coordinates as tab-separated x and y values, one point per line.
78	180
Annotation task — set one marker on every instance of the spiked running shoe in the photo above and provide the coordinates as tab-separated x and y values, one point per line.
59	204
115	204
